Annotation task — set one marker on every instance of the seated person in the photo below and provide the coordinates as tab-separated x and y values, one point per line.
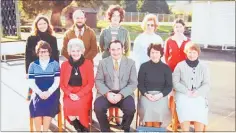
116	81
77	81
154	83
191	83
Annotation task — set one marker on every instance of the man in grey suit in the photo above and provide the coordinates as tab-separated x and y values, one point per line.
116	81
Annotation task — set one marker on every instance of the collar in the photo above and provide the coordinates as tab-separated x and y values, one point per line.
37	61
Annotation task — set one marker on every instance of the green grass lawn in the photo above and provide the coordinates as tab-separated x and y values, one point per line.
134	29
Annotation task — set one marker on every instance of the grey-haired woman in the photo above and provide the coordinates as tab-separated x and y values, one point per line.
77	81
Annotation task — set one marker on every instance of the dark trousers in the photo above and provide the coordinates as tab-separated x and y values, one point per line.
127	106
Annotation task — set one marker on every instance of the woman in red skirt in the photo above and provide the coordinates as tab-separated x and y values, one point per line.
77	81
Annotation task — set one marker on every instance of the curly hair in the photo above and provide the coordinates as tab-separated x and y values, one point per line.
112	9
149	17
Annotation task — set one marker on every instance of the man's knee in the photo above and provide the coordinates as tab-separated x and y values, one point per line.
129	105
100	105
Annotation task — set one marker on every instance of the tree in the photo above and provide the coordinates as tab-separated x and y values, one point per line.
33	7
130	5
152	6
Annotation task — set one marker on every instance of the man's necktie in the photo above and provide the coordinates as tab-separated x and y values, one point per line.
116	66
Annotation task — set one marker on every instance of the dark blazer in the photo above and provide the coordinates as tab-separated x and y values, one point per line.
32	41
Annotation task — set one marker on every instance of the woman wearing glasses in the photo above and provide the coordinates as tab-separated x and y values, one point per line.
142	41
41	30
44	79
115	14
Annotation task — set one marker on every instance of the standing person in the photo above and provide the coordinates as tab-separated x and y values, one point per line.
114	31
82	31
116	81
142	41
154	83
191	81
41	30
174	46
77	81
44	79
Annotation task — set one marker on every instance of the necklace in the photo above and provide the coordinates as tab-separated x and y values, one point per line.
76	71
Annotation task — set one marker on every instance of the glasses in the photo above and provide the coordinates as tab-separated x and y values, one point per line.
151	25
43	52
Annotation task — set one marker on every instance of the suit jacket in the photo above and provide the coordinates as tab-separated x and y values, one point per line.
127	77
105	39
89	39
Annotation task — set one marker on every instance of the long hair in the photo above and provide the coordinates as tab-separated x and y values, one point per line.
35	29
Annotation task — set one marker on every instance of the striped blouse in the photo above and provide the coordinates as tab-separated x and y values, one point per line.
44	79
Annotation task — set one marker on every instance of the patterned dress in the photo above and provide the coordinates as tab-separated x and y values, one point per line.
44	79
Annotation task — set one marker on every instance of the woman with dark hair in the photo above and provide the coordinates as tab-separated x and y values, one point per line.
41	30
154	83
115	14
143	40
44	79
174	45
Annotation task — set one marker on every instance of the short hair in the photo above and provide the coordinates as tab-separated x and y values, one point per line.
35	29
149	17
77	11
75	42
155	46
115	41
43	45
192	46
112	9
180	21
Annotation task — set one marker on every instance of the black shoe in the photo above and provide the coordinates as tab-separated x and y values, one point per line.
83	129
76	125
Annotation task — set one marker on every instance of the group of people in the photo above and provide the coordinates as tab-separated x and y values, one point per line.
117	75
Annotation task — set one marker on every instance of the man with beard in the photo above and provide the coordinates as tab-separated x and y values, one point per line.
82	31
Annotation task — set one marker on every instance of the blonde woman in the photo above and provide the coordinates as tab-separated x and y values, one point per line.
142	41
191	82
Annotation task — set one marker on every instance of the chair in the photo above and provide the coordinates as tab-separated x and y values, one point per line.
115	118
175	125
59	121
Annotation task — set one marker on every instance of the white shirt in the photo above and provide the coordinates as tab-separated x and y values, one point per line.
141	43
77	32
44	63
